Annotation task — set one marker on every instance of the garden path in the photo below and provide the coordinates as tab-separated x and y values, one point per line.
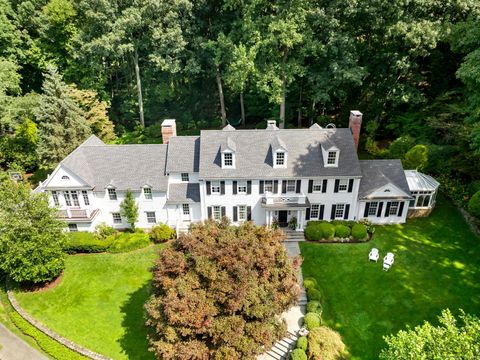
14	348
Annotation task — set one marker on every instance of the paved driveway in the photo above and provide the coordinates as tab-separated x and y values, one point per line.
14	348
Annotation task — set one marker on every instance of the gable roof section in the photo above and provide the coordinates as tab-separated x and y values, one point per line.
418	181
254	158
93	141
183	154
184	193
124	166
378	173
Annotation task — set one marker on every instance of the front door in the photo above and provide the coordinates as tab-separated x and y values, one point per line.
282	218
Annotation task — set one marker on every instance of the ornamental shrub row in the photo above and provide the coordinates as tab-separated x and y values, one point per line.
161	233
85	242
129	241
326	231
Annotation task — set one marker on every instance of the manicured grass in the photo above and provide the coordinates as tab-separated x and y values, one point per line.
437	266
99	302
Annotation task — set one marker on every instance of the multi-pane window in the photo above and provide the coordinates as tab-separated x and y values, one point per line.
228	159
242	212
215	187
393	208
68	200
268	186
372	210
280	159
72	227
317	186
332	158
186	209
291	185
75	198
185	177
112	194
117	218
86	200
147	192
343	185
242	187
339	211
55	198
314	211
217	213
151	219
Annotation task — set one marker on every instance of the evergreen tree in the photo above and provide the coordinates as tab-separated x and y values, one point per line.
61	124
129	209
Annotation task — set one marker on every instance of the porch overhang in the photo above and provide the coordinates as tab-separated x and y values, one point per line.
285	204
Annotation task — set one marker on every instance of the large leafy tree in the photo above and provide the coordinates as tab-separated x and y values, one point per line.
61	124
451	339
219	291
31	237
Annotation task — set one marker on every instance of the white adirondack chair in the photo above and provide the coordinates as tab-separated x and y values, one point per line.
388	261
374	255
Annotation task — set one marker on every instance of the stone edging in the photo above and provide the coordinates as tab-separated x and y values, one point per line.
469	219
69	344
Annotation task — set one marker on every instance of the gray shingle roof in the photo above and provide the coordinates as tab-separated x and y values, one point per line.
183	154
253	156
184	193
377	173
123	166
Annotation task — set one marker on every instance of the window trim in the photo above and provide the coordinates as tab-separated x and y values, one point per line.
68	199
317	183
312	211
393	205
224	160
268	183
337	206
72	228
56	200
76	200
117	219
373	206
185	177
112	194
239	212
214	186
65	178
289	186
150	196
187	208
242	184
86	199
150	217
280	155
340	185
216	208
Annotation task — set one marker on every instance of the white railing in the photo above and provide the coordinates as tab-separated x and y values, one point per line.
75	213
274	199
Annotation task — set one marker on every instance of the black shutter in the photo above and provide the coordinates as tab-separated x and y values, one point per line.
224	211
261	186
387	209
299	186
209	188
249	187
209	211
222	187
367	207
275	186
324	186
249	213
307	214
284	186
380	207
337	184
310	186
350	185
347	210
234	187
322	211
400	209
332	215
235	213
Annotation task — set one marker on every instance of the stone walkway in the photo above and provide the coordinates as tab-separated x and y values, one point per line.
14	348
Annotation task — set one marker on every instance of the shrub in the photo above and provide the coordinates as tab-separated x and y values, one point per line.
161	233
315	307
359	232
314	294
302	343
312	321
313	231
128	242
474	187
102	231
309	282
85	242
342	231
474	205
416	158
326	344
328	230
298	354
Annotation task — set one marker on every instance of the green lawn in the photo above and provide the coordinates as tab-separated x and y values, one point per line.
437	266
99	303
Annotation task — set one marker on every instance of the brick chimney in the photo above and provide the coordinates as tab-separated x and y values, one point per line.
169	129
355	123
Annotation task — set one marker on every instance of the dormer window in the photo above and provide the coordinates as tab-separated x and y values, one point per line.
147	193
228	160
332	158
228	149
280	159
112	193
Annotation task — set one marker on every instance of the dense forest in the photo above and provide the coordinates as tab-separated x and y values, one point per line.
117	68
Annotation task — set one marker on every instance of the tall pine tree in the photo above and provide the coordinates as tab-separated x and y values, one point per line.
60	122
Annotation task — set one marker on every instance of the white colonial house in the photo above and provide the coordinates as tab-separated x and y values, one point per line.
261	175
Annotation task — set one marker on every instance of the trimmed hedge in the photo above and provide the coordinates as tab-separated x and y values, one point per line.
129	241
342	231
298	354
85	242
359	232
161	233
315	307
302	343
325	343
314	294
312	320
309	282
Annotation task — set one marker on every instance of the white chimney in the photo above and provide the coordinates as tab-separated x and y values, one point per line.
272	125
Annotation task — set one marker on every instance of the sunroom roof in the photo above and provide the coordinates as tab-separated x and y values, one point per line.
418	181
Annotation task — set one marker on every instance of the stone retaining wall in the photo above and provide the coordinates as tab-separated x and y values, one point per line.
71	345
